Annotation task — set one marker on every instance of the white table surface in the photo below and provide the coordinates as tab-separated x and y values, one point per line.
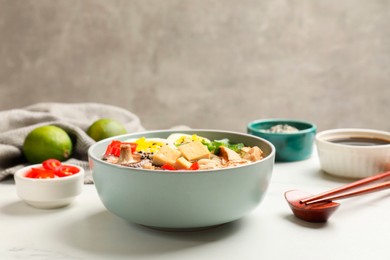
359	229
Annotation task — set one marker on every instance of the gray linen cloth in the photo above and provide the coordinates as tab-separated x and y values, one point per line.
74	118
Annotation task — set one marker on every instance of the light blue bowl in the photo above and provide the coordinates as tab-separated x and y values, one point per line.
290	147
182	199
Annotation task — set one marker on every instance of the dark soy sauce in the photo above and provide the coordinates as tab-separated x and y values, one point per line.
360	141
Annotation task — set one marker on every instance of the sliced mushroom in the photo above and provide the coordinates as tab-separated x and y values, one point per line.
229	154
126	155
253	154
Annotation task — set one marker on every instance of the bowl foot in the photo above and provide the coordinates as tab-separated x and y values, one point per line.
184	229
49	204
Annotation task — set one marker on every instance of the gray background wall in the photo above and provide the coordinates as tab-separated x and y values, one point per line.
205	63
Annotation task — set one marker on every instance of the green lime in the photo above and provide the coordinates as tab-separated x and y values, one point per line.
105	128
47	142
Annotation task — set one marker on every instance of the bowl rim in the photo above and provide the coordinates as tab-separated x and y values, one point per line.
20	174
312	127
321	137
93	157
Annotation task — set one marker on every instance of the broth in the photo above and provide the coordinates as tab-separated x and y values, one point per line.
360	141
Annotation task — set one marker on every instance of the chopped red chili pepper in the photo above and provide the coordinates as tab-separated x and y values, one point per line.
51	164
52	168
168	167
40	173
66	170
194	166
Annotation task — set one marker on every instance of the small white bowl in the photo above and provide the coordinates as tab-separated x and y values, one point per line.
353	161
48	193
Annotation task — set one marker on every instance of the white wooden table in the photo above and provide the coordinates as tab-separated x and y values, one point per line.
360	229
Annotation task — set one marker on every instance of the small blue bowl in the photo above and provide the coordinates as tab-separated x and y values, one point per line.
290	146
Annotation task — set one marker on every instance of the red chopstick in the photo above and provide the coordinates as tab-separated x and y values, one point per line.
327	196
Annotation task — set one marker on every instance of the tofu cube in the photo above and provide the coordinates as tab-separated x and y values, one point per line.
166	155
182	164
194	151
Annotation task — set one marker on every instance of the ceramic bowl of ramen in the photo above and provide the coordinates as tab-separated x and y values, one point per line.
198	189
293	139
354	153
